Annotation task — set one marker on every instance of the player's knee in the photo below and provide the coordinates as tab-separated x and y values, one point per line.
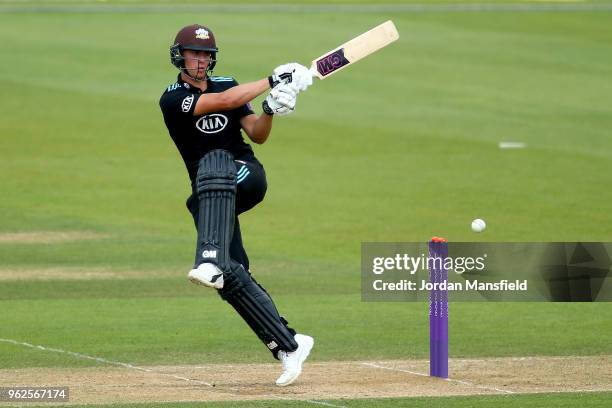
257	189
252	186
216	172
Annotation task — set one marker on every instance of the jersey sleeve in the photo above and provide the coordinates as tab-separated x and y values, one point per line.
178	102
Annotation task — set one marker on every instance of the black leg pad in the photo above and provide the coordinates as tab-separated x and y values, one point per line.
255	306
216	189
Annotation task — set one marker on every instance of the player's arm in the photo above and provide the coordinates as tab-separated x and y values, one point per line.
256	127
280	101
232	98
244	93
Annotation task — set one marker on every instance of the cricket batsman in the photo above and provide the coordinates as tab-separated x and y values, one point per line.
205	116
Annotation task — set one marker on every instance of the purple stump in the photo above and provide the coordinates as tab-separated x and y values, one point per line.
438	312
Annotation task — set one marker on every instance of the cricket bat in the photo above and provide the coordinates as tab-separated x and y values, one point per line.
354	50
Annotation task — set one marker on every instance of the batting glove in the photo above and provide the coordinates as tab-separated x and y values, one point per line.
293	73
281	100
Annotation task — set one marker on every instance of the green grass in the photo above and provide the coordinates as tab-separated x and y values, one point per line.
400	147
193	2
196	330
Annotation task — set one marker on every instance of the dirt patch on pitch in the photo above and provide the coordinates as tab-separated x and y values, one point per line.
64	273
48	237
321	381
79	273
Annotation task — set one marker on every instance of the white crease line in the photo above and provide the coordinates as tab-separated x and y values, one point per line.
102	360
478	386
395	369
445	379
529	358
146	370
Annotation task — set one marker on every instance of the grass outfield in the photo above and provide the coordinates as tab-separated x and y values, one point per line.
400	147
275	2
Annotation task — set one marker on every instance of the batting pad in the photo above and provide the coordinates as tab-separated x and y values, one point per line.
216	189
256	308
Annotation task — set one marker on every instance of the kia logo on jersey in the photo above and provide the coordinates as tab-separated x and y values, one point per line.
213	123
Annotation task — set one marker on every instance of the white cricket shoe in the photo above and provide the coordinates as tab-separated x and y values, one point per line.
292	361
207	274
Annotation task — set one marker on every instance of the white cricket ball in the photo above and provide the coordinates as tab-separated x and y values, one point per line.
478	225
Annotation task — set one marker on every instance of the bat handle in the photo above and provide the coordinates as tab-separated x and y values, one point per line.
313	71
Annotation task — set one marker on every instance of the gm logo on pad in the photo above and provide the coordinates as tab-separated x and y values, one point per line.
213	123
209	254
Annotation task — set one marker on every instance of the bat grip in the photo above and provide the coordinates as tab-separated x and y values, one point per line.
313	71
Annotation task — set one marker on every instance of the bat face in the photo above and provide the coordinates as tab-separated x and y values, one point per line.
327	64
354	50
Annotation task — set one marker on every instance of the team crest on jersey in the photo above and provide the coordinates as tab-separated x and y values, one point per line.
202	34
187	102
213	123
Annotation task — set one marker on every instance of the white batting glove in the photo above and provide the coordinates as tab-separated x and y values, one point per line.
301	78
281	100
293	73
